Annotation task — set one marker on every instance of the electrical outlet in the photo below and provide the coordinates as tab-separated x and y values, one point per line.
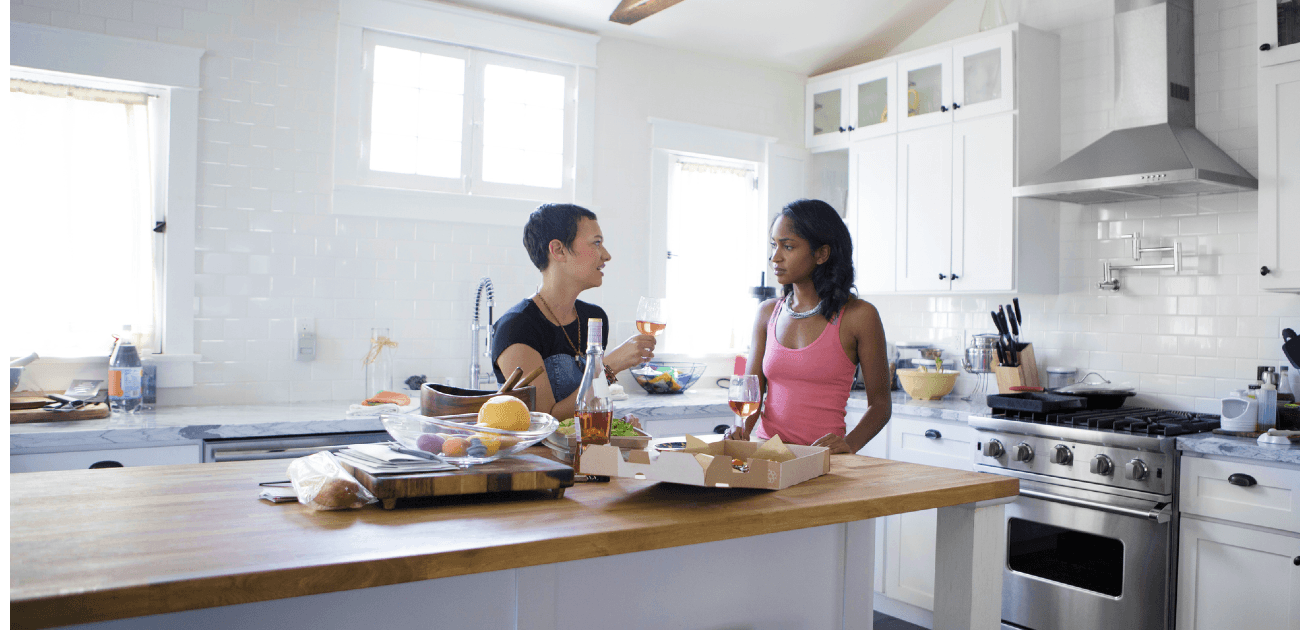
304	330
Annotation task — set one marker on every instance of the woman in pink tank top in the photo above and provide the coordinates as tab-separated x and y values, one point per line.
809	341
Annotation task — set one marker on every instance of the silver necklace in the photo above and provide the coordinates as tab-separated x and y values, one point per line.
789	303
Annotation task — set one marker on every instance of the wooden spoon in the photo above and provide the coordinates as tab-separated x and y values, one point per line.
511	380
531	375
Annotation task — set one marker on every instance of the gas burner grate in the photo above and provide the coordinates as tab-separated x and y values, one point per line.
1133	420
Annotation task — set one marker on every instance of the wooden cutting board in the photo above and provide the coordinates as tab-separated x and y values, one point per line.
29	409
521	472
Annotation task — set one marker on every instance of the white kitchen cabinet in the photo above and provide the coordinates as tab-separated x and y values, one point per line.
1277	24
873	177
910	538
850	105
956	226
1236	577
924	209
129	457
1279	175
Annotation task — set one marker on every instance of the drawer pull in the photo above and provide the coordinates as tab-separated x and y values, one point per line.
107	464
1241	479
932	434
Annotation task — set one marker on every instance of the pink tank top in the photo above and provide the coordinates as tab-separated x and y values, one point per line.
807	388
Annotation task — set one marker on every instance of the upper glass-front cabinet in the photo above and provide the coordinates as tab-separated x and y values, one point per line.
982	77
848	107
1278	25
925	90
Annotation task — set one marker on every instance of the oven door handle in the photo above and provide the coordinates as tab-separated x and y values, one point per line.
1159	515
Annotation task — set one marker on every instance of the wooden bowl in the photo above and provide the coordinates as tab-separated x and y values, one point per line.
444	400
927	385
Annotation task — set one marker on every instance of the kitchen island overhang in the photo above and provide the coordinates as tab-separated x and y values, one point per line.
108	544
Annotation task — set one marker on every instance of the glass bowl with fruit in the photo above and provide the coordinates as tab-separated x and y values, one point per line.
499	429
667	377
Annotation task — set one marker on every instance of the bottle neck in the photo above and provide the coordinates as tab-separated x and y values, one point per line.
595	331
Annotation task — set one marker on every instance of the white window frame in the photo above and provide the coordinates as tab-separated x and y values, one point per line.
670	138
171	73
356	189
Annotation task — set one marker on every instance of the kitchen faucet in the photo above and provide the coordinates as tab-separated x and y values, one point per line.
475	351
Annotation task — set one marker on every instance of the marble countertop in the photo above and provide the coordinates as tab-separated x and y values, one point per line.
1245	448
174	426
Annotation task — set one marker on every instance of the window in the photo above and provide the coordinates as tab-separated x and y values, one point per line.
466	121
713	232
85	186
169	74
445	113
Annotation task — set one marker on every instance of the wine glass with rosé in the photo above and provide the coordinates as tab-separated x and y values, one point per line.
742	395
650	318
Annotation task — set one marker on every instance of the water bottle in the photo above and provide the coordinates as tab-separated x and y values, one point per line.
124	376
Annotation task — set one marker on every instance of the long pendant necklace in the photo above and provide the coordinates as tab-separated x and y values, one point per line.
789	303
577	356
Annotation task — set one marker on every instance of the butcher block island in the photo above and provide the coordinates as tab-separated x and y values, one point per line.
191	546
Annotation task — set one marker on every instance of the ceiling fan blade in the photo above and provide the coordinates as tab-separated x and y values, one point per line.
633	11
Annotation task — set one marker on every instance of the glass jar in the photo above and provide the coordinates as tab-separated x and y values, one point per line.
379	362
1058	377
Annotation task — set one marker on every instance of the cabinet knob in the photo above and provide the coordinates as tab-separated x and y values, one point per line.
1296	561
943	276
943	108
1241	479
954	276
1263	271
842	130
932	434
851	127
956	106
1265	46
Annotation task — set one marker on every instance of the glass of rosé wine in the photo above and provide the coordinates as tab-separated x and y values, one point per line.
650	318
742	395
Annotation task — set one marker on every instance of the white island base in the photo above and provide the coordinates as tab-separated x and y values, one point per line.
814	578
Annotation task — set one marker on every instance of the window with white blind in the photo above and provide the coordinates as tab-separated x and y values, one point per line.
81	201
714	236
462	120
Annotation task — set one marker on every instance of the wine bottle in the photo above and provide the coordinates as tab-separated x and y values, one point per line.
593	415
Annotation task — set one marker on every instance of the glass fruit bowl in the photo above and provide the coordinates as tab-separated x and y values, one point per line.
460	441
666	377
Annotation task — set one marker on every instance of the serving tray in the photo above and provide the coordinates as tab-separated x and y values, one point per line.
508	474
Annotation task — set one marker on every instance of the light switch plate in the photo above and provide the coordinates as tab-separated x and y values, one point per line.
304	347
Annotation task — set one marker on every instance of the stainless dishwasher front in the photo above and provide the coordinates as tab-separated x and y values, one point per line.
284	447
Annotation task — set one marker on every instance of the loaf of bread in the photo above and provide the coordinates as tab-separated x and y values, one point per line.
339	494
323	484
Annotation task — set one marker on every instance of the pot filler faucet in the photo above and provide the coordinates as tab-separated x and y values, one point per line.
479	352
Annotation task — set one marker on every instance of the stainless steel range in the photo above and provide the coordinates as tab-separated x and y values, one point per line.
1092	540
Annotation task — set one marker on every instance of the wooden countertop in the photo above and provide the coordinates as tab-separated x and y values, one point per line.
94	545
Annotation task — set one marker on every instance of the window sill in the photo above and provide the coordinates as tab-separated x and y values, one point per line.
55	373
394	203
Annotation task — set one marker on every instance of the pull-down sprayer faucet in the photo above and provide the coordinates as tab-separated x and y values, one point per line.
477	351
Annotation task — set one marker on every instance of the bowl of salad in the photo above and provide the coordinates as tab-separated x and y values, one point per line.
622	434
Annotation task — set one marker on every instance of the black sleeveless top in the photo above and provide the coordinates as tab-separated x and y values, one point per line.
524	323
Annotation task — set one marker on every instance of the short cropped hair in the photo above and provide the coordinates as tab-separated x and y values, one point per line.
549	222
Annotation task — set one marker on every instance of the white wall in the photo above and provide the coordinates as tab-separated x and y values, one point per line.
268	250
1183	341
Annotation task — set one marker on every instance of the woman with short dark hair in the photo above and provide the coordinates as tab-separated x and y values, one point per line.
549	329
808	342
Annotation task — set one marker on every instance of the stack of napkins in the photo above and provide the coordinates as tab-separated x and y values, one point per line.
385	458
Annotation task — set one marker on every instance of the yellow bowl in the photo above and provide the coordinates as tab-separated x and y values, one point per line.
927	385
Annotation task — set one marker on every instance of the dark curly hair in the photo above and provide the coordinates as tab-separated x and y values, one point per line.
818	223
552	221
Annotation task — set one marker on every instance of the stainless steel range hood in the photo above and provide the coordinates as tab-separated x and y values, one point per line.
1158	152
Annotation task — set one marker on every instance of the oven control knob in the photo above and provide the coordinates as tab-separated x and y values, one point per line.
993	448
1022	452
1061	455
1136	469
1101	465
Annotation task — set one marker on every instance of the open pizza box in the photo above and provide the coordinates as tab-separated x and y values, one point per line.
709	464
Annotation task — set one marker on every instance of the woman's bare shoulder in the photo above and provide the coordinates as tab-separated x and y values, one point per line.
859	314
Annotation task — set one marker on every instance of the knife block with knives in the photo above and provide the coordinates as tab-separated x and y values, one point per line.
1016	365
1023	374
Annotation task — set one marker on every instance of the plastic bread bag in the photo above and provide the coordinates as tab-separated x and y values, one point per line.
323	484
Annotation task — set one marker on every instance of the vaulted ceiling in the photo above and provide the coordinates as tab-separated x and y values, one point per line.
804	36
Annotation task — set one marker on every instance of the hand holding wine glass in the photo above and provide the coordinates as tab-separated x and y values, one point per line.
743	396
650	318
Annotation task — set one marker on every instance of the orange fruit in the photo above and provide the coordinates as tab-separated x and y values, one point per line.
505	412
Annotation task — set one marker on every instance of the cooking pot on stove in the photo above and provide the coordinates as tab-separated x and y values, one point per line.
1103	395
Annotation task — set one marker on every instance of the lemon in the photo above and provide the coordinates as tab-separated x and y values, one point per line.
505	412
